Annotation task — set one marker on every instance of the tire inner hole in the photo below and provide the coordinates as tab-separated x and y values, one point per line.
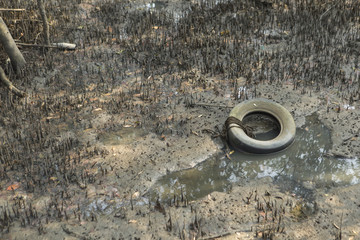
263	125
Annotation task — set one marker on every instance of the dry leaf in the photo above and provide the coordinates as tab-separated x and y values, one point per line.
13	186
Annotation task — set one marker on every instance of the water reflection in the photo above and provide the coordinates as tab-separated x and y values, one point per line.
305	160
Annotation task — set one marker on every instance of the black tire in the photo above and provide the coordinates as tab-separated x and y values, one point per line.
238	138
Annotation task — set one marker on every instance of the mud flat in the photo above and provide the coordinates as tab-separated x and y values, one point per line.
142	97
119	206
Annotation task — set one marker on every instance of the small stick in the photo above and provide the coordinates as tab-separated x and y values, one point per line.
322	15
222	234
211	105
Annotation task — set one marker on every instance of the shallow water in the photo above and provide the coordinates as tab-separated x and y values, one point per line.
157	5
305	161
263	126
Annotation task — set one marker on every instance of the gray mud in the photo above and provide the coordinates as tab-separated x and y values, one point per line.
141	97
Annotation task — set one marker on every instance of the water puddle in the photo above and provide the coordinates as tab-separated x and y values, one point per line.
125	135
156	5
175	10
304	162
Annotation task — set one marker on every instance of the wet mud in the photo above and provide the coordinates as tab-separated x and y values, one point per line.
145	95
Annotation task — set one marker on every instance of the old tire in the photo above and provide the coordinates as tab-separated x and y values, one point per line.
238	138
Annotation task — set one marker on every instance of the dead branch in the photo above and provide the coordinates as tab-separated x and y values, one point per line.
66	46
9	85
35	45
13	9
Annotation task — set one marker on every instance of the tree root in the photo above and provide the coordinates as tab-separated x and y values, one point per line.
9	85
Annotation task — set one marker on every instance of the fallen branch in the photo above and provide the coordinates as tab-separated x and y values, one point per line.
13	9
35	45
9	85
66	46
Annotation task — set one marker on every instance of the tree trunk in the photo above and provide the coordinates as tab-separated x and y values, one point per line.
17	59
45	22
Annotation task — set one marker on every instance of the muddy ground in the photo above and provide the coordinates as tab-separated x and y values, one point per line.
163	74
